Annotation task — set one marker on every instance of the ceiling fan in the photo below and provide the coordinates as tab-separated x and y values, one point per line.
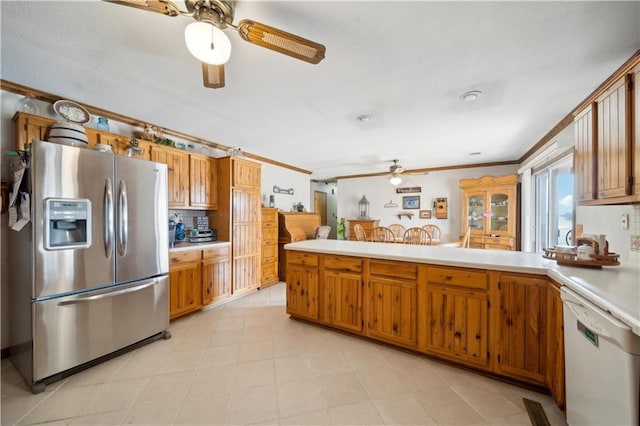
208	43
397	171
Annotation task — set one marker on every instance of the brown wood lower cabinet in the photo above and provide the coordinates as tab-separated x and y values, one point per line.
198	278
393	302
455	315
184	283
508	324
342	292
522	327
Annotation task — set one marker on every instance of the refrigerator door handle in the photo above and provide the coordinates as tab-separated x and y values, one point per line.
108	218
123	225
109	294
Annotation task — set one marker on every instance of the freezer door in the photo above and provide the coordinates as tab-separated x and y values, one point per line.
142	236
65	172
70	331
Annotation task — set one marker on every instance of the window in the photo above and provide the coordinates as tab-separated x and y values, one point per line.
554	208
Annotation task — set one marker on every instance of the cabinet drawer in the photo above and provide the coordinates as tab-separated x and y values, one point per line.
269	251
458	277
184	256
269	216
213	253
269	272
343	263
302	258
270	235
407	271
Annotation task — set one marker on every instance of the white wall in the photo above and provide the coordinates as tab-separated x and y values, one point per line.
434	185
285	178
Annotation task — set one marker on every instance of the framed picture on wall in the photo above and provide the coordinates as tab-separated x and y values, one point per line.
411	202
425	214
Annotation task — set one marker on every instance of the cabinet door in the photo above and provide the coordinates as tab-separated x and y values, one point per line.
117	143
393	310
202	182
555	349
522	327
614	149
216	280
342	299
457	324
246	174
178	173
246	240
31	128
585	131
635	157
502	209
474	203
184	283
302	291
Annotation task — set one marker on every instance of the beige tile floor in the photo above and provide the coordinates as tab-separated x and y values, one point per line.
248	363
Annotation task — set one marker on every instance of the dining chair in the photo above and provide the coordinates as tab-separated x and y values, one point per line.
382	234
398	230
418	236
322	232
358	230
434	231
466	239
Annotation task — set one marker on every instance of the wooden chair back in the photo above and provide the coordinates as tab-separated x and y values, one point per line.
417	236
434	231
358	230
382	234
397	229
466	240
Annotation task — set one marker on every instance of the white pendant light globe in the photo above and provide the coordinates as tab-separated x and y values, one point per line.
207	43
395	180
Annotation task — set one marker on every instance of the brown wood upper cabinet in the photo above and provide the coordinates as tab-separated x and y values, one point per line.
607	142
178	174
202	182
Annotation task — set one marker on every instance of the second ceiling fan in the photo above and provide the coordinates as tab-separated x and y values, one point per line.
209	44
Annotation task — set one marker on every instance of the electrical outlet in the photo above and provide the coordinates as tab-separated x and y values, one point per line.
624	221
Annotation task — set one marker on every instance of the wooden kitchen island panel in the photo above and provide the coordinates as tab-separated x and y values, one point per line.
480	318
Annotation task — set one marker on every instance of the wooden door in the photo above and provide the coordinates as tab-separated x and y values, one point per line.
320	205
246	239
522	327
614	148
117	143
302	291
184	285
216	279
457	324
585	132
178	174
635	152
342	299
202	182
393	310
555	349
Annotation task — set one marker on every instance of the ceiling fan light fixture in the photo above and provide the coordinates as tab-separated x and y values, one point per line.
207	43
395	180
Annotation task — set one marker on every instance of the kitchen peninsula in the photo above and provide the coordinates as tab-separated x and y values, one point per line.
495	311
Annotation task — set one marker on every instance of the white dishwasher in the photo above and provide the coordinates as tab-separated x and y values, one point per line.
602	366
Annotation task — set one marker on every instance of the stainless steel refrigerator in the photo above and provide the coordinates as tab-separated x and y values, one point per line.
89	273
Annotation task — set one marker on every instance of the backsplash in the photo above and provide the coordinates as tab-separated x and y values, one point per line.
188	216
634	226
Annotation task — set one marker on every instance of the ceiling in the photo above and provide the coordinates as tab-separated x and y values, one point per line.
404	63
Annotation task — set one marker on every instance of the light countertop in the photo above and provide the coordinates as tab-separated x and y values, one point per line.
615	289
185	245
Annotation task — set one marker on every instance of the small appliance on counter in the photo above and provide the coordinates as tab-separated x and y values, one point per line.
202	236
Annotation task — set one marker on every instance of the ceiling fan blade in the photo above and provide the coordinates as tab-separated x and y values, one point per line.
281	41
164	7
213	76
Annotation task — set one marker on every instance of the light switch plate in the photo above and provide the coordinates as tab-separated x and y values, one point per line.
624	221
